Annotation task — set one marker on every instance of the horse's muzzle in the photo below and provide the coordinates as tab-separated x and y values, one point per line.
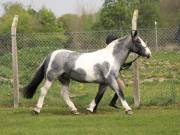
148	56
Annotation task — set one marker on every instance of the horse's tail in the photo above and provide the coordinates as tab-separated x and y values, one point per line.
30	89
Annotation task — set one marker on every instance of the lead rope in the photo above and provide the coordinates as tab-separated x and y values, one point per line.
127	65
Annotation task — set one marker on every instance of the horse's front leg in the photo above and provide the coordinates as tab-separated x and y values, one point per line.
114	85
115	97
94	103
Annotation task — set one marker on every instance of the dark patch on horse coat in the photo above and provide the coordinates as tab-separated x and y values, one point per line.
51	75
78	75
64	61
64	79
71	60
101	70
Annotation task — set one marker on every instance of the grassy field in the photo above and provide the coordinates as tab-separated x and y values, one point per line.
107	121
160	98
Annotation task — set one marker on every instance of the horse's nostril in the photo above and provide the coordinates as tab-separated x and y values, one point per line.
148	56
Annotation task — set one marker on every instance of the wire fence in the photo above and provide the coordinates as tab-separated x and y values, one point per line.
159	76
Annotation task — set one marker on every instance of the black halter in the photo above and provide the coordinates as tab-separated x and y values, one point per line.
127	65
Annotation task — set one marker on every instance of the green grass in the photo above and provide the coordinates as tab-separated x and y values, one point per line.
156	121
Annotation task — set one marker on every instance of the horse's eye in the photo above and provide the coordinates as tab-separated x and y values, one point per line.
138	41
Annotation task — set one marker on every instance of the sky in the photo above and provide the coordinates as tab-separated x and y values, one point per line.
59	7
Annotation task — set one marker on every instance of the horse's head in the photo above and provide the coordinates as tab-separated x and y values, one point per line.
139	46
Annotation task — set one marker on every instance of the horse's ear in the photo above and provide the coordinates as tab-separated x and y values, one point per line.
134	34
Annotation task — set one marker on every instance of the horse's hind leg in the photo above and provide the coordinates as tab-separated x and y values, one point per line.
43	93
65	94
94	104
113	101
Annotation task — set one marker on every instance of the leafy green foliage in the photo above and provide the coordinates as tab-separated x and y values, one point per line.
117	14
75	23
170	13
48	22
114	14
29	20
149	12
70	22
25	20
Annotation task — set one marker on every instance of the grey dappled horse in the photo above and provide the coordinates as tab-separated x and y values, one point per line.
101	66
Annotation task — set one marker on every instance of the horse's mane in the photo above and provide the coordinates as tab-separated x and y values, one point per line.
113	43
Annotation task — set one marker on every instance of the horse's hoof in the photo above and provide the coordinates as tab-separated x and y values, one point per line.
89	110
36	110
114	106
75	112
129	112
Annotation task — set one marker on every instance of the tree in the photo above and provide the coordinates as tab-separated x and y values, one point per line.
69	22
108	2
149	12
72	22
170	12
117	14
48	21
114	15
25	20
30	20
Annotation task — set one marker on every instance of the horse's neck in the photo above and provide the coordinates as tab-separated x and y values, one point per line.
121	49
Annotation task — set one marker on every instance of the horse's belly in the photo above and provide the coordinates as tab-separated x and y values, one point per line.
90	77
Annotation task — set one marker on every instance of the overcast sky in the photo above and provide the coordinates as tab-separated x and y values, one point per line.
59	7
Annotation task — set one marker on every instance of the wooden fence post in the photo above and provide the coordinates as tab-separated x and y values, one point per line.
15	62
156	36
136	91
